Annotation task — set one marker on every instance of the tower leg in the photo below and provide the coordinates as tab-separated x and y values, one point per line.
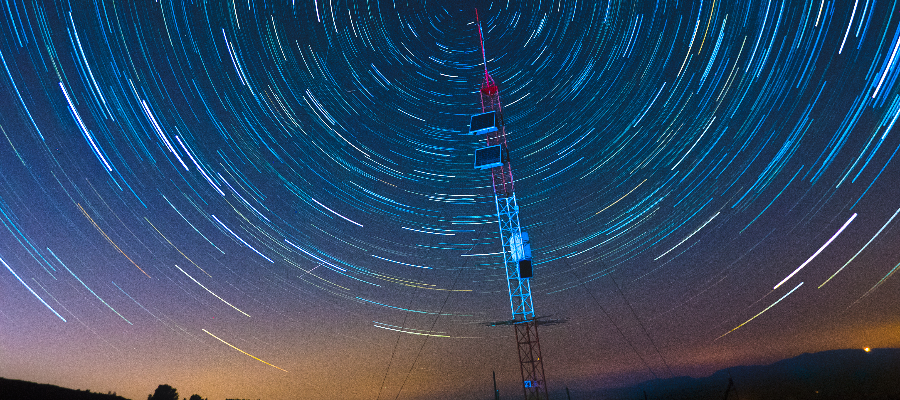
530	360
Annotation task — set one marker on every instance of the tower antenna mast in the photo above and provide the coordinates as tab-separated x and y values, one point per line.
516	247
481	41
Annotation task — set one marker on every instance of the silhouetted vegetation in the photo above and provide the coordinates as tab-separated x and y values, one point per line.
164	392
11	389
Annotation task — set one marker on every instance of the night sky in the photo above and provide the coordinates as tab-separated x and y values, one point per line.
277	199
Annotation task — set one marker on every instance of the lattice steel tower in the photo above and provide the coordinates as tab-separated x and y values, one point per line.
516	247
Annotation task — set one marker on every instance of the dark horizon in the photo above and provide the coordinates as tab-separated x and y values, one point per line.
277	200
833	374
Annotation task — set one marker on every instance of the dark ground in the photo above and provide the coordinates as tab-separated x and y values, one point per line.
828	375
832	375
11	389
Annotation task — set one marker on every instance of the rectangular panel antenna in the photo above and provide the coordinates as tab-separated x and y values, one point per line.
483	123
491	156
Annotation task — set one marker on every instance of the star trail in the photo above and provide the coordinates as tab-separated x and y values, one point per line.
296	178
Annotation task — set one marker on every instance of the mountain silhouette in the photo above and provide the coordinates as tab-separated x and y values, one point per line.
827	375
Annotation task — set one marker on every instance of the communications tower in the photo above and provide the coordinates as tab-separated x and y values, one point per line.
516	248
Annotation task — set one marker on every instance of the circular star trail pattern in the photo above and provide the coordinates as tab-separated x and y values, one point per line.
277	199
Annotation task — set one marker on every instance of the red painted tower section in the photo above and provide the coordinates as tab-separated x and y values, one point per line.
490	101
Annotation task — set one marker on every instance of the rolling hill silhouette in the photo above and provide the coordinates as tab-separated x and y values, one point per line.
11	389
831	375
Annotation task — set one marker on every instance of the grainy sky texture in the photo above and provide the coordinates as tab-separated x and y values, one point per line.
276	199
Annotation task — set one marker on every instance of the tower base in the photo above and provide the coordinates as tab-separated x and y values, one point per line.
530	361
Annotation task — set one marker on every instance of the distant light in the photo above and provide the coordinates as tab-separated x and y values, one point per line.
867	349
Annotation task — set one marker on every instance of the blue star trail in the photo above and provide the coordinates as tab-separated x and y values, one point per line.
286	174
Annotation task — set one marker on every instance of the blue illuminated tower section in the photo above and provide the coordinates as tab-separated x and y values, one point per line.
516	248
